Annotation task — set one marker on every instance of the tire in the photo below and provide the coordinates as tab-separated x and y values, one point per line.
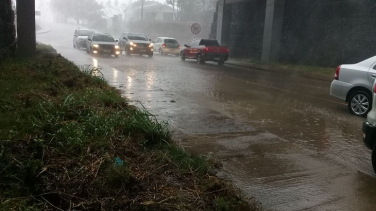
74	46
160	51
127	53
360	103
116	56
182	56
200	59
78	47
150	55
221	63
374	158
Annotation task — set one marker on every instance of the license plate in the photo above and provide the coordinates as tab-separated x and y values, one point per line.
217	59
107	51
142	50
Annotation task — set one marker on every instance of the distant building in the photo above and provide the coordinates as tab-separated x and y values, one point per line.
152	11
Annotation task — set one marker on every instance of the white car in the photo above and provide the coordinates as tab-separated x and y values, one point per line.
369	129
353	84
80	37
166	45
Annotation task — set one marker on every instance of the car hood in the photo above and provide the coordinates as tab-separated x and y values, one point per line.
140	41
104	43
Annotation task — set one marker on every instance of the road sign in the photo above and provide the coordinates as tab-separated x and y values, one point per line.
196	28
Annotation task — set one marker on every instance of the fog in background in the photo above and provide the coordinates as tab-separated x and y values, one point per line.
160	17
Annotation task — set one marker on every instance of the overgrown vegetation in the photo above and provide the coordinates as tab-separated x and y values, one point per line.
68	141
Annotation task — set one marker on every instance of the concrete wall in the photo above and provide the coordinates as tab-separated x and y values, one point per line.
319	32
7	30
242	28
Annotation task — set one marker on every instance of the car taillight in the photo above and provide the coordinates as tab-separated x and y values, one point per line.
374	90
206	49
336	76
164	45
228	50
179	46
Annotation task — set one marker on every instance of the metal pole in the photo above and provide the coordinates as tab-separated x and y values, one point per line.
142	9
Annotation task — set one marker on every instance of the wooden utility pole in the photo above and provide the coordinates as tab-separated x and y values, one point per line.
26	39
142	9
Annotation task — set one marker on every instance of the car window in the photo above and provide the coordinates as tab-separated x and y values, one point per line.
209	42
84	32
170	41
103	38
137	37
189	44
374	67
195	43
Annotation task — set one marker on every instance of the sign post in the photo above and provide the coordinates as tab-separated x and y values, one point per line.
195	29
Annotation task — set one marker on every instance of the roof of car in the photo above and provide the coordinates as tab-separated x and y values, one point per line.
99	33
166	38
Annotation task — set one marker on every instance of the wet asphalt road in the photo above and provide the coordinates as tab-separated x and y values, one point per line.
282	139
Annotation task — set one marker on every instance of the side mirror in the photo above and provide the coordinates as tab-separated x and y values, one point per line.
116	40
89	39
150	40
124	38
186	45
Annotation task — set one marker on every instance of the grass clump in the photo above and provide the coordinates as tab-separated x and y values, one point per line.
68	141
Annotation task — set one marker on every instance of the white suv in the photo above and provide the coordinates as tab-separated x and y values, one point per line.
353	84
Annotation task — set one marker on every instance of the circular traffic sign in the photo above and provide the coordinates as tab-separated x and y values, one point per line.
195	28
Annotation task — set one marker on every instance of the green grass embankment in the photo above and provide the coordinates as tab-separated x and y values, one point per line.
68	141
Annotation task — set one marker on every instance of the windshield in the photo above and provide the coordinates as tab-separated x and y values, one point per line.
103	38
171	41
209	43
84	32
137	37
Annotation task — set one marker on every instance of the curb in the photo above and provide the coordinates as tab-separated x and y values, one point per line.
43	31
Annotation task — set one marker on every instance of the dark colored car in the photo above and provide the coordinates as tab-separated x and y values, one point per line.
136	43
205	50
99	43
80	37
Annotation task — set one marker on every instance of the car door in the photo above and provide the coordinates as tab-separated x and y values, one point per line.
187	50
193	49
155	45
75	37
372	74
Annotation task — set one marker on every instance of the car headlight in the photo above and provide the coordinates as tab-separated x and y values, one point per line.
117	47
96	46
133	44
151	45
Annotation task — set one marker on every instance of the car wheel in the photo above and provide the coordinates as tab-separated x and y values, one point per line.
150	55
200	59
160	52
74	46
182	56
221	63
360	103
78	47
374	158
116	56
127	52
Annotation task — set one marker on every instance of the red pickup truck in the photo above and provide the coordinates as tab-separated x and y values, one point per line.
205	50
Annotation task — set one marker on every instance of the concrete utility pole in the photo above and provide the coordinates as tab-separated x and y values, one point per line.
26	39
142	9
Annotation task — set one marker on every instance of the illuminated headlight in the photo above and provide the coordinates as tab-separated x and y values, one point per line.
117	52
96	46
95	51
131	49
117	47
151	45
